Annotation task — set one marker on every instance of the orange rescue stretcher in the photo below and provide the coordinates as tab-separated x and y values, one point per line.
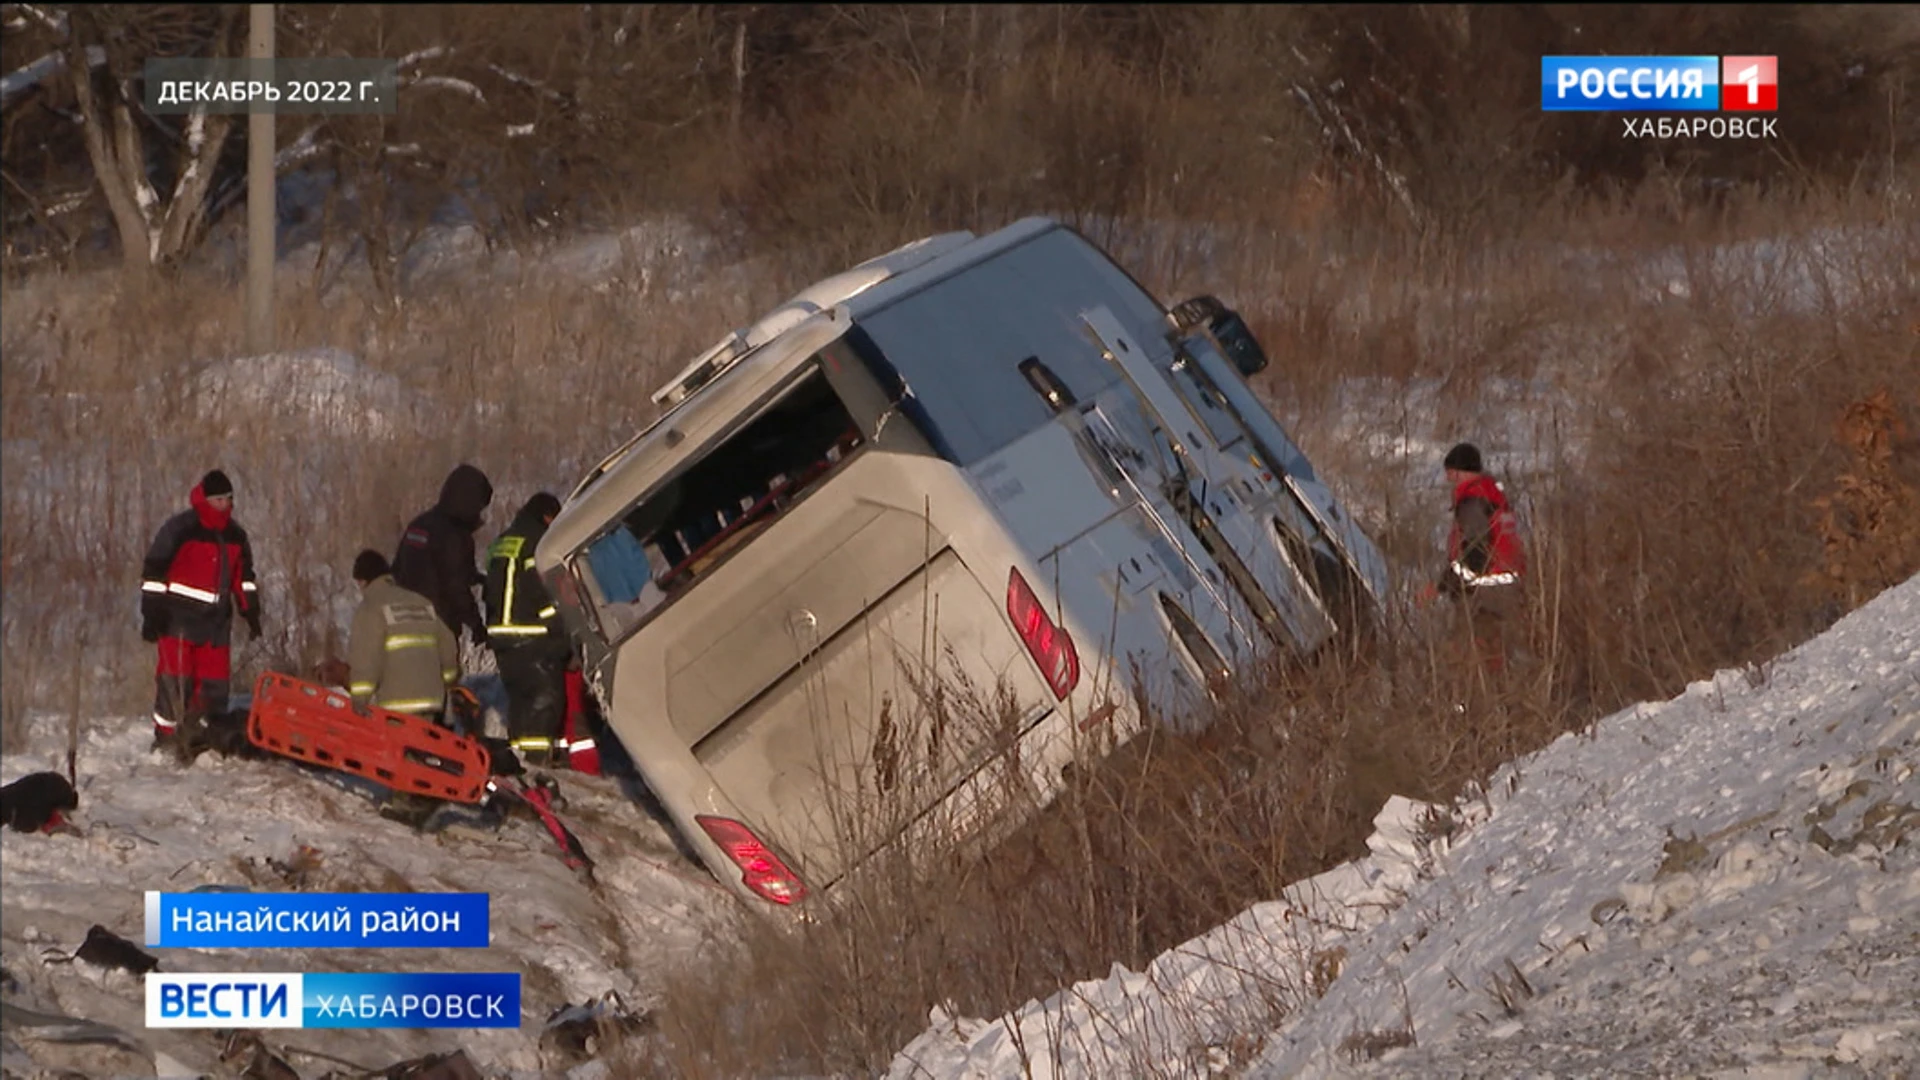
322	726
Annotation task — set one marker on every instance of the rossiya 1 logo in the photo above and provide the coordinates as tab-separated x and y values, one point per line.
1668	84
1749	84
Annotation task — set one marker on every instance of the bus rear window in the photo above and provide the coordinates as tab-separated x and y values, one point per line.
714	505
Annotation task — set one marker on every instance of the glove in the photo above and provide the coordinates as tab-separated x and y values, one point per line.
480	637
332	671
465	701
153	616
253	624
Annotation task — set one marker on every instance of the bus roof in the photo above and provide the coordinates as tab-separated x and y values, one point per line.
734	375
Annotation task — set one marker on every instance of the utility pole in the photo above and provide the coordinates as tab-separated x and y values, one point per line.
262	247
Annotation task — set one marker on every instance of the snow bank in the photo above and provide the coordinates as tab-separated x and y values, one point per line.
1822	270
1726	878
1731	878
1171	1018
322	390
144	823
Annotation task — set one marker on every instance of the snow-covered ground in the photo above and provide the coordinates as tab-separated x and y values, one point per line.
145	823
1726	884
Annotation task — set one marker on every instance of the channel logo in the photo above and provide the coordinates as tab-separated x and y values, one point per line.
1749	84
334	999
1659	83
237	1001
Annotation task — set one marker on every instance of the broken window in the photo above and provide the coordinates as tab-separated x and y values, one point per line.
714	505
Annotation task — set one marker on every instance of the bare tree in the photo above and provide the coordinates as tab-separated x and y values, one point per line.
157	222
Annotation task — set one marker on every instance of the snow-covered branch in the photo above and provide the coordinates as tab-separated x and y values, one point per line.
299	151
448	82
420	56
534	85
47	67
55	21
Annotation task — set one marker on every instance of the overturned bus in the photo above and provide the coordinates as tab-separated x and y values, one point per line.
935	529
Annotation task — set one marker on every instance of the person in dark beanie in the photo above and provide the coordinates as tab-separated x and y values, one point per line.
436	556
197	575
400	656
1486	562
526	635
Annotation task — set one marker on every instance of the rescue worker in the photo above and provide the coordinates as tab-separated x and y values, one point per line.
526	635
400	656
1486	562
198	573
436	557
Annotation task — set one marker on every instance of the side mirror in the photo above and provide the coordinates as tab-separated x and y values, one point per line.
1047	384
1241	346
1226	326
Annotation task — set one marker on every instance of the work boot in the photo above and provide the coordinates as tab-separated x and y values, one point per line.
188	739
413	811
548	790
502	758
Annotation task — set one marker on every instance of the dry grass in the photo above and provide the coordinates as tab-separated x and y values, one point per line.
1676	525
115	401
1680	426
1697	406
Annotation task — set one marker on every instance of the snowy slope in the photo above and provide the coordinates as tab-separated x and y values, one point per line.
148	824
1724	884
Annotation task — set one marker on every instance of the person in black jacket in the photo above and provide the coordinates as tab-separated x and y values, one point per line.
198	572
526	634
436	557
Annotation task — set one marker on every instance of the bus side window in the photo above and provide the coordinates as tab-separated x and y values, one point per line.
620	566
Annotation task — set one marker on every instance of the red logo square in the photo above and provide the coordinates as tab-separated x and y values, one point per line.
1749	84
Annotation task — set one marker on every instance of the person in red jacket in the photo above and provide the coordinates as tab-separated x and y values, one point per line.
198	573
1486	562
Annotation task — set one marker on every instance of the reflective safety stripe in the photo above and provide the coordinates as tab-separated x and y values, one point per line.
449	675
506	601
1506	577
163	722
548	611
581	746
410	704
153	586
360	689
514	566
248	586
409	641
193	593
532	742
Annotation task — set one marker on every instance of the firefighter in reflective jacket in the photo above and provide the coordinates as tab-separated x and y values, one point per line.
528	640
1486	563
400	656
198	572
